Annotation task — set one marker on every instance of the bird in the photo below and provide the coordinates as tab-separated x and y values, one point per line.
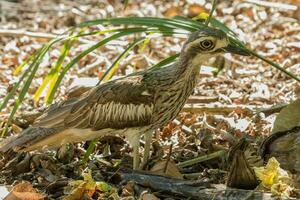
130	106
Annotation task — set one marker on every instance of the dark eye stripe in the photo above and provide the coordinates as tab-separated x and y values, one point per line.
207	45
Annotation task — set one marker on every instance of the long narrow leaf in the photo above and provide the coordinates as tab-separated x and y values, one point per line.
166	61
114	67
234	40
23	64
31	73
34	66
15	88
214	6
140	21
58	67
54	70
87	51
189	22
89	151
275	65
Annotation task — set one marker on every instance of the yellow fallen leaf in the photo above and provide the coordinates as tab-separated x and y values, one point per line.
86	186
201	16
274	178
281	189
24	191
269	173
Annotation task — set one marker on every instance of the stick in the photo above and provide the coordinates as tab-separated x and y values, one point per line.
226	109
202	108
273	4
202	99
201	159
21	33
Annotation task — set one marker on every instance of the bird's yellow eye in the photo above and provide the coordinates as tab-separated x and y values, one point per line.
207	45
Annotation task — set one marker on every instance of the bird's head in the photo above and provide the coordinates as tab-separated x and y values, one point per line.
207	43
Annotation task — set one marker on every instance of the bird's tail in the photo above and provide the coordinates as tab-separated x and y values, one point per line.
28	139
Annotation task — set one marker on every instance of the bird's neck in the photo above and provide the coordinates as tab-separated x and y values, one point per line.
187	69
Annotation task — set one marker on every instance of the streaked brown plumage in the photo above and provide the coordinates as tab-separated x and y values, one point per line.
133	105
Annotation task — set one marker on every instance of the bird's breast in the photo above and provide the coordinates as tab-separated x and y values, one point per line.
170	101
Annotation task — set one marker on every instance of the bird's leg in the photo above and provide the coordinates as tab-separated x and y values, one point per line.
135	143
136	157
147	137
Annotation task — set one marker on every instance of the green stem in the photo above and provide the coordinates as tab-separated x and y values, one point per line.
201	159
290	74
214	5
89	151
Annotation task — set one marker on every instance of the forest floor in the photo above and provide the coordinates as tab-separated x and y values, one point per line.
223	108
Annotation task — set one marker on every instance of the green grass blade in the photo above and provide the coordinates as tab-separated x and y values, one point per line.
34	66
166	61
15	88
145	44
114	67
54	70
293	76
214	6
234	40
44	84
126	4
195	25
89	151
58	66
140	21
87	51
216	23
23	64
37	59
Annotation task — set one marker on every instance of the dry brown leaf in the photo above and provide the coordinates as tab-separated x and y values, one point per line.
167	131
249	13
191	121
147	196
24	191
100	74
172	11
77	193
16	128
195	9
10	61
166	168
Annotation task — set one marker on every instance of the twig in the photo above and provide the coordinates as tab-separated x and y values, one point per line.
202	99
93	65
204	108
201	159
273	109
184	128
168	158
225	135
273	4
21	33
226	109
197	174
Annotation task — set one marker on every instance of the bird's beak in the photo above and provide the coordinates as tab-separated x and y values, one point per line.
235	50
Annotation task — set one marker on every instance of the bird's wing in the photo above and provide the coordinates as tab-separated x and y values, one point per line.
123	103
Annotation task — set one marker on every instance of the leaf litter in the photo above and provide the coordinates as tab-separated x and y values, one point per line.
269	30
